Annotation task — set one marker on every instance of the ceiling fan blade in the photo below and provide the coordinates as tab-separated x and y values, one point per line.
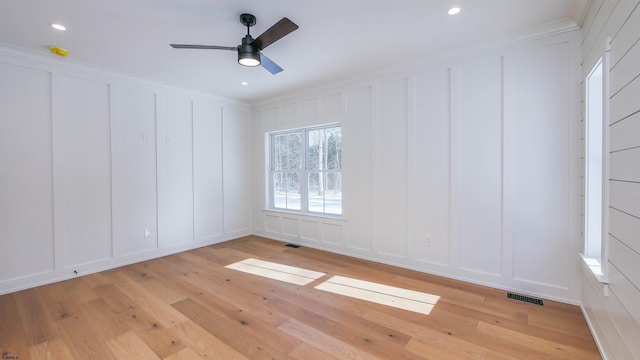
207	47
269	65
279	30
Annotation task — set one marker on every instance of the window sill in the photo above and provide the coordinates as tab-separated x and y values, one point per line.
594	267
307	215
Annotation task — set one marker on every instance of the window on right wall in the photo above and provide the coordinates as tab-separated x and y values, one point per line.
594	178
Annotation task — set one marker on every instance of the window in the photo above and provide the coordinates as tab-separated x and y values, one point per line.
594	169
306	170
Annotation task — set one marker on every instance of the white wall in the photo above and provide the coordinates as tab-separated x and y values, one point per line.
466	167
98	170
613	312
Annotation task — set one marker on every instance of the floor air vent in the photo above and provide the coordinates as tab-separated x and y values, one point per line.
292	246
525	299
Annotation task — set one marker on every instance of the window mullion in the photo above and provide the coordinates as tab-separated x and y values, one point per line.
304	177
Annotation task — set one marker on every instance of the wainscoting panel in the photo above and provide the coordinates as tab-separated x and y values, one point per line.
357	171
82	169
539	92
390	167
479	108
309	231
236	170
304	229
175	169
430	173
272	224
308	112
331	233
290	227
208	188
26	192
133	138
331	106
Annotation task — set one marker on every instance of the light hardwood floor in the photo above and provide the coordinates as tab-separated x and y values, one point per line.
189	306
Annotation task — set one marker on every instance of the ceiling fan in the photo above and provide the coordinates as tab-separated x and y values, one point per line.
249	52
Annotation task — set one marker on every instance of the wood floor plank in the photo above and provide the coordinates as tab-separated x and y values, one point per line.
505	321
125	310
58	301
38	324
355	324
324	342
82	342
363	338
488	312
104	325
164	290
130	346
185	354
205	344
426	335
189	306
554	317
439	349
50	350
228	331
308	352
13	337
161	310
241	297
162	340
440	321
558	351
80	290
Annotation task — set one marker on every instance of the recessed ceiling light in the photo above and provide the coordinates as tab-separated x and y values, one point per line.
58	27
454	10
244	83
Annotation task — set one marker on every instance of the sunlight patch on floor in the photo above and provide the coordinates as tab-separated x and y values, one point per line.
392	296
286	273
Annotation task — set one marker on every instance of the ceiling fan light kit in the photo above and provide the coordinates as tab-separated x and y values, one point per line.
248	58
250	51
248	55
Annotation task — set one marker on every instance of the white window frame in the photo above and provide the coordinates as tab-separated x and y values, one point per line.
598	264
303	172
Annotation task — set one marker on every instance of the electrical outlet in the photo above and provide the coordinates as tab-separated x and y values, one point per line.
147	233
427	242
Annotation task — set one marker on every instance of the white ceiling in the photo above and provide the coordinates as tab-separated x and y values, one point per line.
336	38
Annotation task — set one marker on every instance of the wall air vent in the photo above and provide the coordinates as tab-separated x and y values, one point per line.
525	299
